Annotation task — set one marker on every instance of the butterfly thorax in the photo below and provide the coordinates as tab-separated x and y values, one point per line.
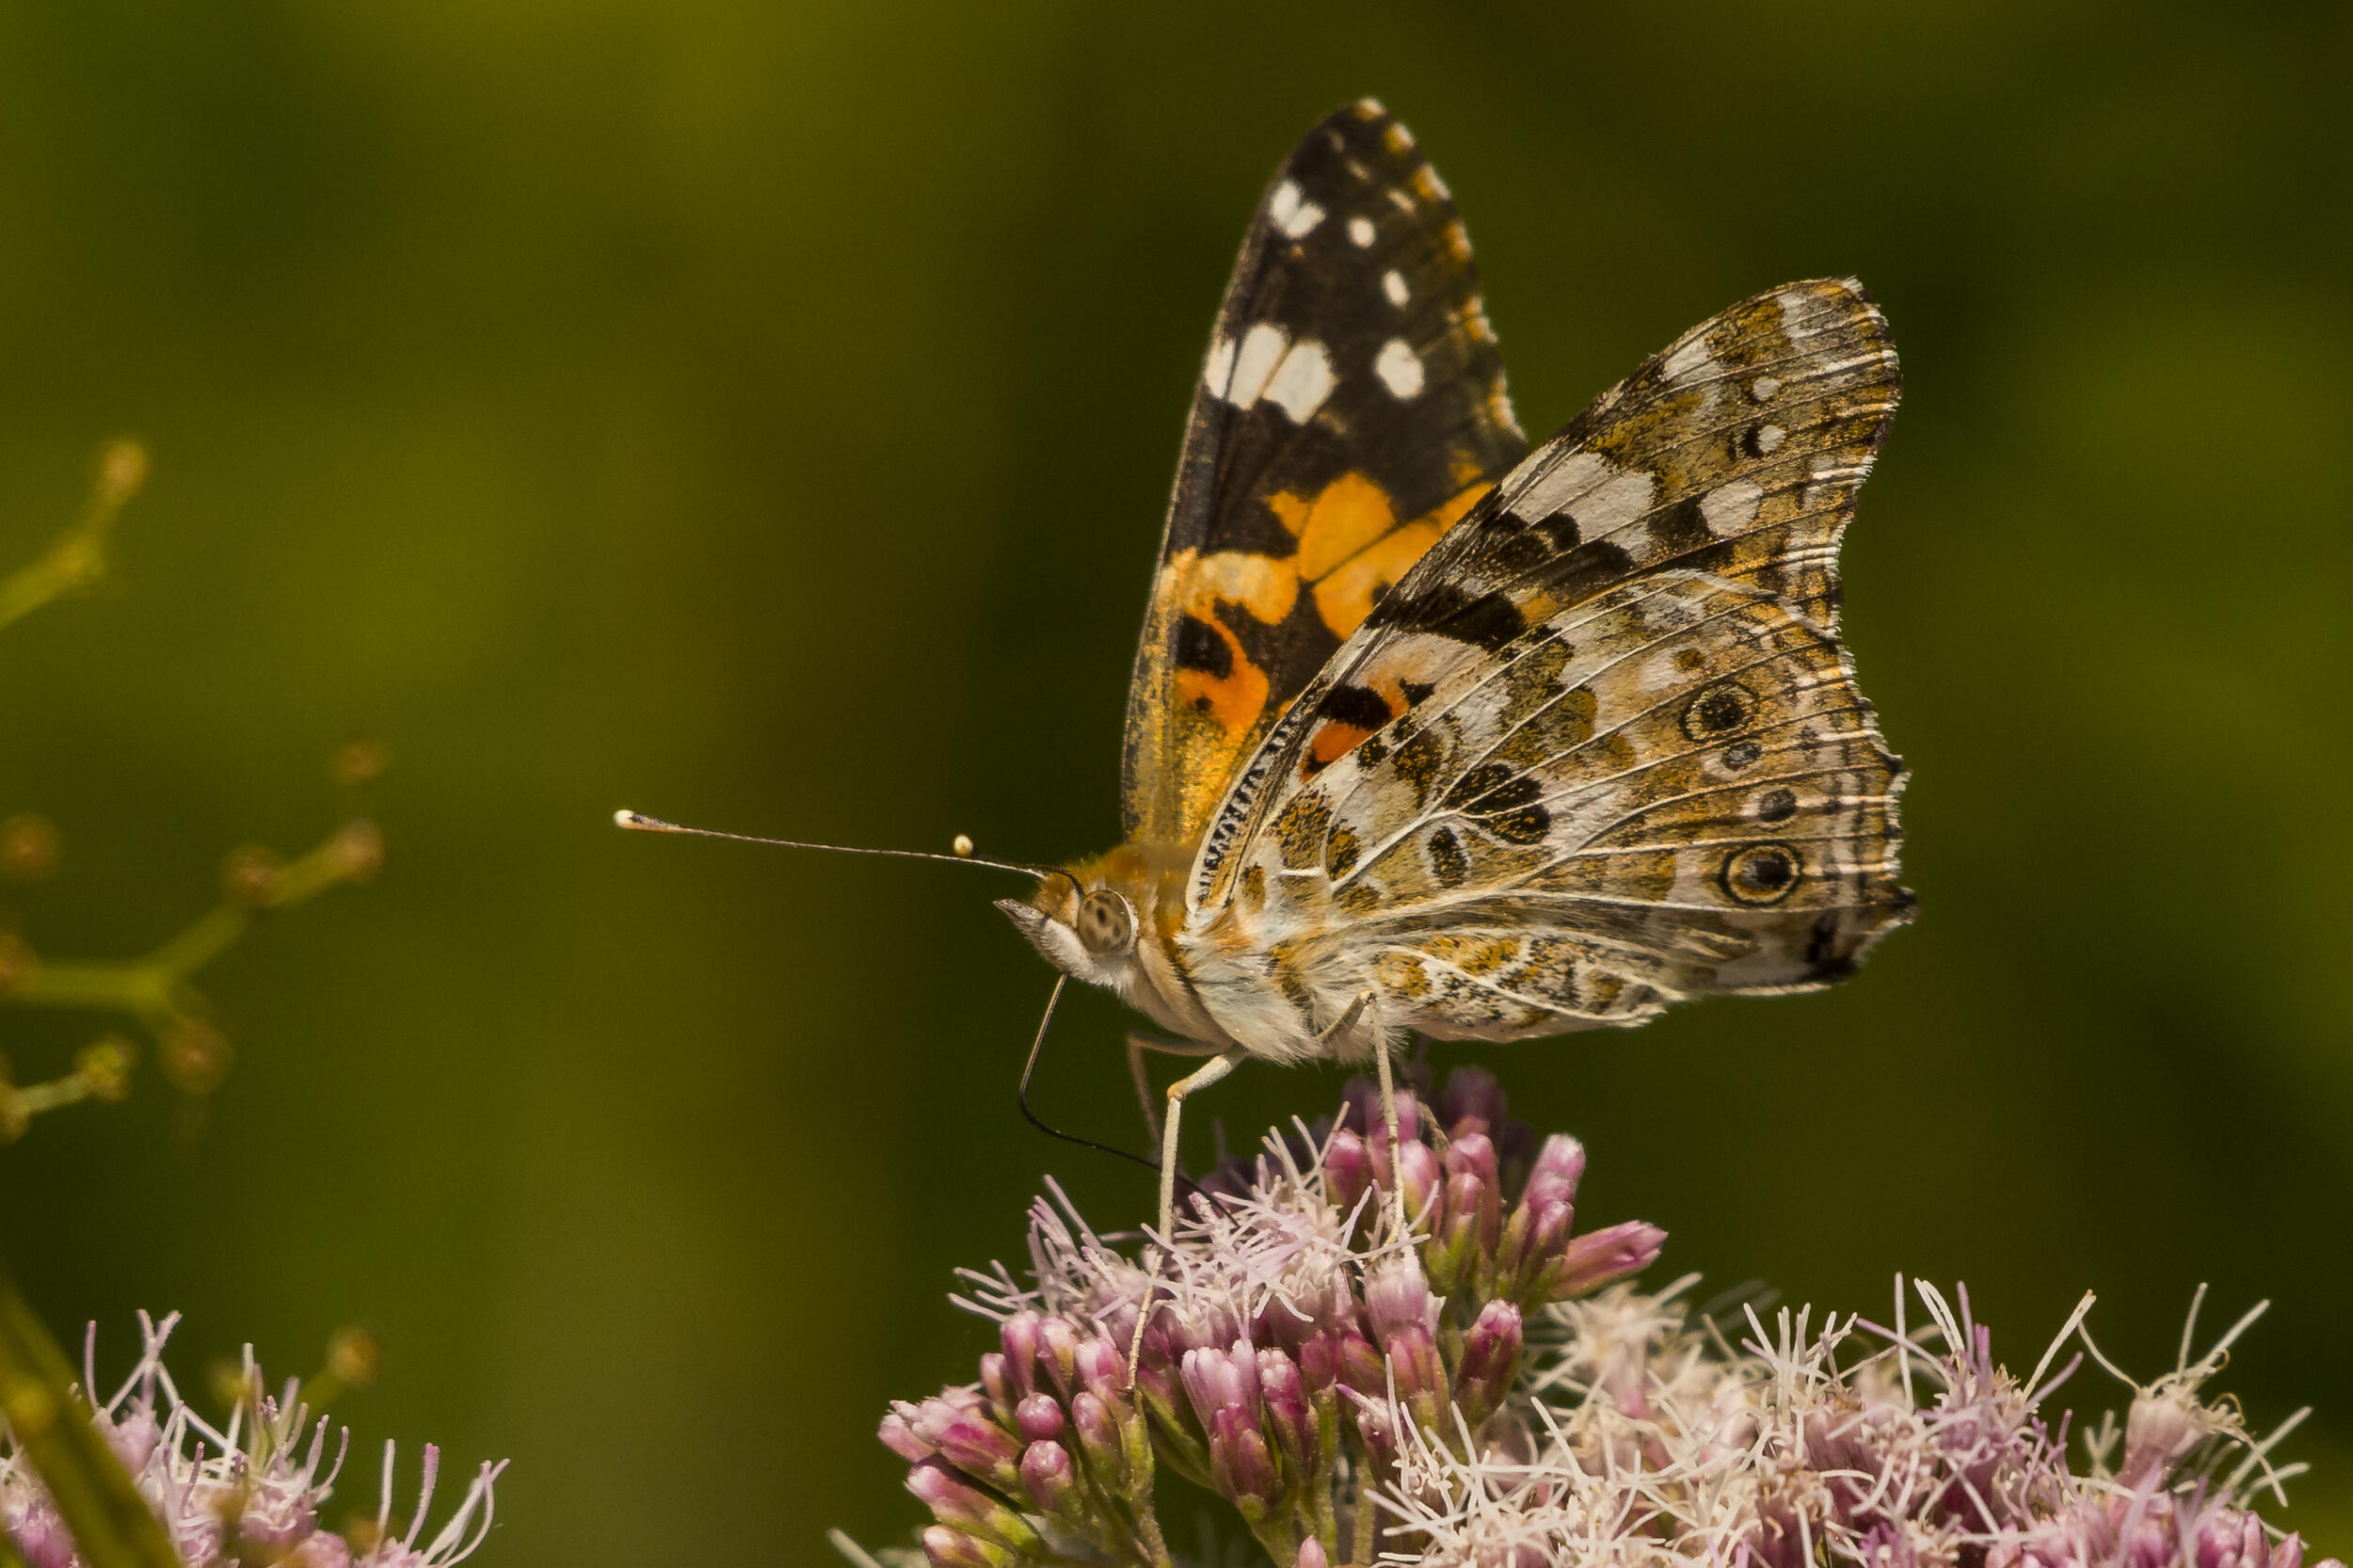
1117	921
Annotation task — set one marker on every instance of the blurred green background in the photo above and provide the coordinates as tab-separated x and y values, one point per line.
762	415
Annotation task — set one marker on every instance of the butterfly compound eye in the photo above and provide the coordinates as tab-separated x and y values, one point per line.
1106	923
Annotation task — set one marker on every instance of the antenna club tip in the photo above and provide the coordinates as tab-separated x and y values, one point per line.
962	845
638	820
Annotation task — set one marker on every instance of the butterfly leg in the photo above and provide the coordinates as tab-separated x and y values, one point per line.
1388	1117
1137	1042
1328	1042
1201	1077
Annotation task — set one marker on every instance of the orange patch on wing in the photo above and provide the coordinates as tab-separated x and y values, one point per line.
1344	598
1206	587
1350	514
1233	700
1333	740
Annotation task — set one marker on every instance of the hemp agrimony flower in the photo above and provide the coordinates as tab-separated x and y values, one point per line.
250	1491
1486	1390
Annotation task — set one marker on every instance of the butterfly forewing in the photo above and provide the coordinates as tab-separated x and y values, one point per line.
1351	408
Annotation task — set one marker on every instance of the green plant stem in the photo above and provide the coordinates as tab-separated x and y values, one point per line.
112	1526
73	562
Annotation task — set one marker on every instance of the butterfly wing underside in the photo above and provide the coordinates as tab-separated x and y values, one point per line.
1351	408
1625	760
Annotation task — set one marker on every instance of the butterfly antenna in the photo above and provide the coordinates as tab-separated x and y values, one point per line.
1021	1094
637	821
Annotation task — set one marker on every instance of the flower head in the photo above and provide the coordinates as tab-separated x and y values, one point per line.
1487	1390
250	1491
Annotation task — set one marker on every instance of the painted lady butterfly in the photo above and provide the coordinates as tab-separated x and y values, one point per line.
1432	733
1429	734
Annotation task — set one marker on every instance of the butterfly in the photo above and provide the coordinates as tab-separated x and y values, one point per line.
1432	733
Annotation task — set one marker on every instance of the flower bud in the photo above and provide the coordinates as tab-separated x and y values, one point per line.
1097	1431
1378	1431
1397	1296
900	1438
998	1385
944	1547
1020	1337
1053	1481
1356	1365
1490	1360
1039	1419
1058	1352
1282	1391
1471	1094
1216	1381
1560	1166
1311	1554
1404	1319
969	1508
1347	1170
1453	1251
1474	1154
1241	1465
968	1439
1420	1162
1598	1257
1100	1368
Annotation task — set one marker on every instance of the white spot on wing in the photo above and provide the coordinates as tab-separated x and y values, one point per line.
1689	361
1590	488
1361	231
1614	504
1398	367
1302	382
1293	213
1731	507
1763	387
1393	284
1542	494
1218	374
1800	318
1770	437
1262	351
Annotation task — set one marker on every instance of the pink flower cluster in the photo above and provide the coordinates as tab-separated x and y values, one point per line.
250	1491
1287	1337
1485	1390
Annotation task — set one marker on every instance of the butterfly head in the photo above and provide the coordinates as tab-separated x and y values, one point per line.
1107	921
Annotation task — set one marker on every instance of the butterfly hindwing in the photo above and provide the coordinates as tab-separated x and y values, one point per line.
1734	452
1351	408
1673	788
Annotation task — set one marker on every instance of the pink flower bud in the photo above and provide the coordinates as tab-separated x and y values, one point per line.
1058	1352
1311	1554
1101	1367
1020	1337
900	1438
1560	1166
1471	1095
1097	1431
1598	1257
1240	1461
1490	1360
944	1547
969	1508
1053	1481
1040	1419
